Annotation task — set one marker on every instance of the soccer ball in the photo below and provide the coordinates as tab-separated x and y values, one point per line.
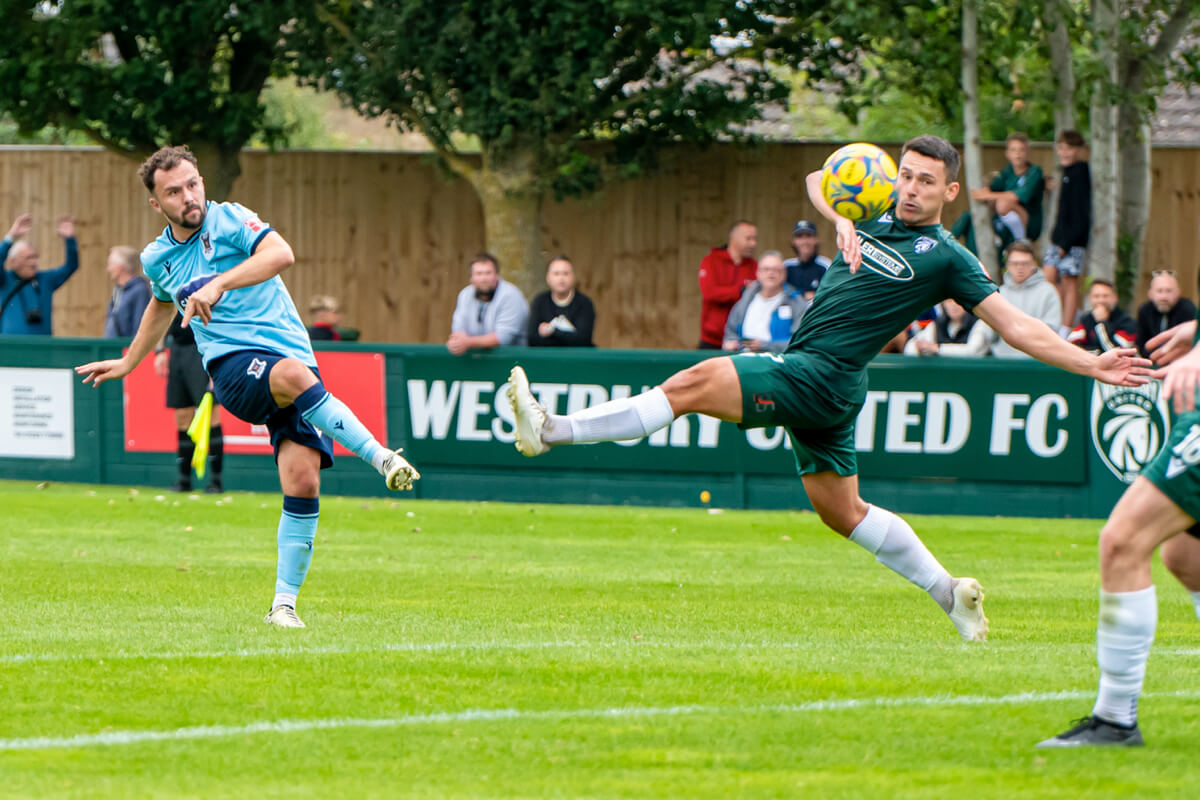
858	181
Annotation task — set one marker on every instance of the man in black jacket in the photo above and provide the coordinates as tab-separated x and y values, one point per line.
1166	308
561	316
1067	251
1106	326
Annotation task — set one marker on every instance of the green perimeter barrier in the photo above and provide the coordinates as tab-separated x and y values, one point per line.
954	436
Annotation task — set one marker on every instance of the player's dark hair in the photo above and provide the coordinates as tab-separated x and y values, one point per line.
734	226
559	257
1017	136
165	158
1103	282
484	255
1071	138
1022	246
938	148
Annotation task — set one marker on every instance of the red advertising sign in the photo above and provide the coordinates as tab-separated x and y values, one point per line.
357	379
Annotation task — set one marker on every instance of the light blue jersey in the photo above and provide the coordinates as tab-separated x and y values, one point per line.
259	317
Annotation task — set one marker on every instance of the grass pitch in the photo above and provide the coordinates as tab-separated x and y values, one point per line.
492	650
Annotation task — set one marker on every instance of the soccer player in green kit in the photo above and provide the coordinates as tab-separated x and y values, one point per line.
890	269
1160	508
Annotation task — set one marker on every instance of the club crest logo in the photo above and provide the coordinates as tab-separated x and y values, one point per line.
883	260
1129	426
924	244
206	244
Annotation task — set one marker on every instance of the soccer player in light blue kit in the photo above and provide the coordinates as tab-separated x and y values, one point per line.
220	264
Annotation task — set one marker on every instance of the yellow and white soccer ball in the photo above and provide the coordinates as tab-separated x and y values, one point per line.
859	181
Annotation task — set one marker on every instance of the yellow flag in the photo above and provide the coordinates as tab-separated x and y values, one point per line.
199	432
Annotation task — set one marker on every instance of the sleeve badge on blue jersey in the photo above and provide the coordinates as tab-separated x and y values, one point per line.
255	224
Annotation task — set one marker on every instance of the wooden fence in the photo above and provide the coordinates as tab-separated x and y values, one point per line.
390	234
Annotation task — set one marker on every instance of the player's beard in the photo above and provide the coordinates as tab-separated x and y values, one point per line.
182	221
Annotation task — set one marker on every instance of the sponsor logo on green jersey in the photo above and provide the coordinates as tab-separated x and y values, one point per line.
883	260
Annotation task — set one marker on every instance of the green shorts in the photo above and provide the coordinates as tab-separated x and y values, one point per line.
814	398
1176	468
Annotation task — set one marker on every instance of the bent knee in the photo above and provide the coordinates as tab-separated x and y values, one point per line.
1118	545
291	376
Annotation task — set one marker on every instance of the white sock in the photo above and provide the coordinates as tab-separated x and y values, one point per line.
624	418
896	546
284	599
1196	602
1123	638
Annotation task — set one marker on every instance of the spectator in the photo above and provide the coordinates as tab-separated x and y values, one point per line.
326	316
954	333
1026	288
490	311
1107	325
724	273
1014	198
27	294
1067	252
131	293
178	360
561	316
1166	308
804	272
768	313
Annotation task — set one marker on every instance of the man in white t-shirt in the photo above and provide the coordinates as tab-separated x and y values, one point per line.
768	313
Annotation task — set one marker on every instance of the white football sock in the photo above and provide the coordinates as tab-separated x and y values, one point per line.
1123	637
624	418
284	599
897	547
1196	602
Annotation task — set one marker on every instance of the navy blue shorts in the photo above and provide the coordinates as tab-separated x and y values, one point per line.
241	385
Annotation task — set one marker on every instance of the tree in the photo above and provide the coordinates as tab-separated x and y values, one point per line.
554	95
1150	34
137	74
981	218
1102	243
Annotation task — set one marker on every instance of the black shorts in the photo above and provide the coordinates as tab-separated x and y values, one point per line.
241	383
186	379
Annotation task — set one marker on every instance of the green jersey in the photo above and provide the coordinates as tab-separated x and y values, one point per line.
1029	188
905	271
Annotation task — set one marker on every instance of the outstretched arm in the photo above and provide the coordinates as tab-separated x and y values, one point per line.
272	257
1121	366
847	237
153	327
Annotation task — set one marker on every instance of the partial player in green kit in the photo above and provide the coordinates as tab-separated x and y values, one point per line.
889	270
1161	507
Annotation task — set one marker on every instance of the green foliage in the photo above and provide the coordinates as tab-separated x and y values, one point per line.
896	72
136	74
293	120
535	82
11	134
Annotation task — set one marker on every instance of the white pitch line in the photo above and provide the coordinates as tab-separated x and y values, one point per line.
438	647
119	738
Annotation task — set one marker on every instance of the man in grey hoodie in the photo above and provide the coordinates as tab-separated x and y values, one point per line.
1026	288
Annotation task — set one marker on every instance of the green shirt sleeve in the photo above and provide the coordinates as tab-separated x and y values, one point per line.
1034	185
1000	182
966	280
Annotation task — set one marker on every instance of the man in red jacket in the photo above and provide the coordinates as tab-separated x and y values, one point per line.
724	273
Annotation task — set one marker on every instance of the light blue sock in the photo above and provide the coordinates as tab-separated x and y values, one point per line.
297	530
331	416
